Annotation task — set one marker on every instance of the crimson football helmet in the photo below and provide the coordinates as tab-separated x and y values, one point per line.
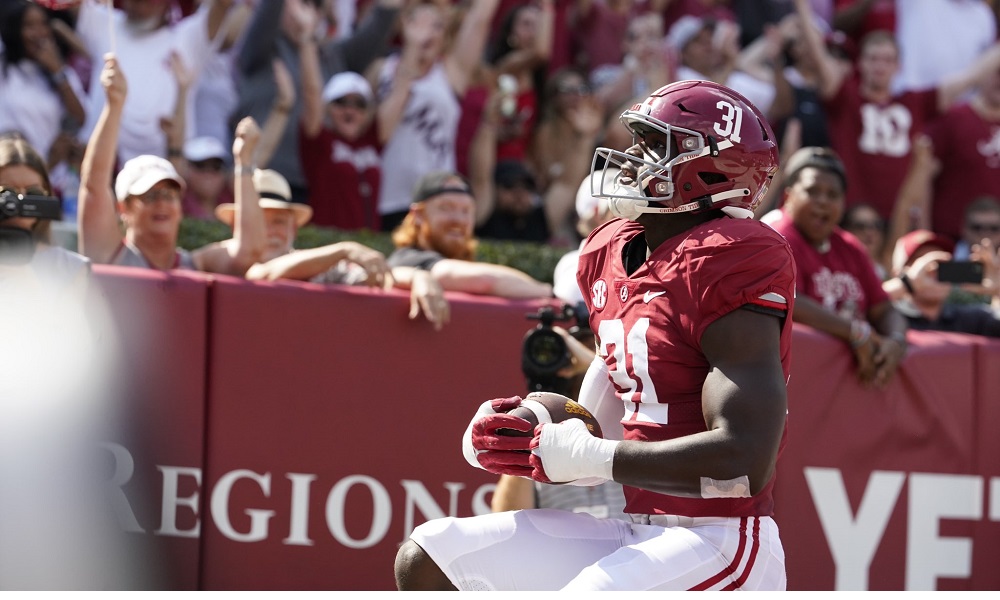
703	146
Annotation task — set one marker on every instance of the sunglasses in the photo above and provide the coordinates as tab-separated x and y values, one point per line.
213	165
166	194
358	103
984	227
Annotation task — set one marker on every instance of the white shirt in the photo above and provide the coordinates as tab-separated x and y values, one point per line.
938	38
144	59
29	105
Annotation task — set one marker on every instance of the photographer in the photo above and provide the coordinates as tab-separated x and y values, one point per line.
556	359
27	208
918	293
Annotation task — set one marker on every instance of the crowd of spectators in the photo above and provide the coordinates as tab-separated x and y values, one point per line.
150	111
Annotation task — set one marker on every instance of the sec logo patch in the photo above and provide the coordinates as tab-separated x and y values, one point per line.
599	294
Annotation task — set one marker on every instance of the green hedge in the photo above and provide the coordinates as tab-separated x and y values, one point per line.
537	260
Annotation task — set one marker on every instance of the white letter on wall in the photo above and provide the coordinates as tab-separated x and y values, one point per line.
853	541
258	517
168	514
933	497
298	528
124	469
381	511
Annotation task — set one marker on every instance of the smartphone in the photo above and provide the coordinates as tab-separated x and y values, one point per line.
952	271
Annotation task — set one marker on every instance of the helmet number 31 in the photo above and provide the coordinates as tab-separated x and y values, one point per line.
732	121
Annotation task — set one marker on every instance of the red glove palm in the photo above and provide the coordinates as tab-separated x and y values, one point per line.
486	448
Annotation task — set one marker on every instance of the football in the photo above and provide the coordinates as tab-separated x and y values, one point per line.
549	407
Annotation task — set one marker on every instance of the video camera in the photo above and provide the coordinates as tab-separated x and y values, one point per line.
544	352
17	245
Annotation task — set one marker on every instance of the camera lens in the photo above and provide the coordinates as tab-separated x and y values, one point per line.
545	348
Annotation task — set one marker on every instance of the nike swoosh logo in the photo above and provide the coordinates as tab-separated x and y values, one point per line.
650	295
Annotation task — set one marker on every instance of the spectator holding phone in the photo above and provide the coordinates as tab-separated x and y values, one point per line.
921	294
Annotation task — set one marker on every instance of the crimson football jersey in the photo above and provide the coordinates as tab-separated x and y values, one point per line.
649	325
875	141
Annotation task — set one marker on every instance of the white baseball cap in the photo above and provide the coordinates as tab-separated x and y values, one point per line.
203	148
345	84
141	173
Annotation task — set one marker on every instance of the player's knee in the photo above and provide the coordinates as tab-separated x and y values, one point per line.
416	570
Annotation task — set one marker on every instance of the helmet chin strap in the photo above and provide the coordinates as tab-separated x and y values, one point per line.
633	208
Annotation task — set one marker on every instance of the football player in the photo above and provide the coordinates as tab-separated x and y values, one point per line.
691	301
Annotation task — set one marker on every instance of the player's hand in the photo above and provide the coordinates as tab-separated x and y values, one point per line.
484	448
567	452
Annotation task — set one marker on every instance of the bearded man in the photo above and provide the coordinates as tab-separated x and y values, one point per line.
437	236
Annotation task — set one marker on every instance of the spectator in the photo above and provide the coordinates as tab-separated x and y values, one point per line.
646	66
591	212
598	28
980	226
838	291
207	178
144	40
214	95
862	221
956	163
710	50
940	37
23	172
341	154
519	56
419	90
347	263
276	31
518	213
436	235
562	148
872	128
924	300
149	191
39	95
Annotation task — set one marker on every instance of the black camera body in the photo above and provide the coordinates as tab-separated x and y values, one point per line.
13	205
17	246
544	352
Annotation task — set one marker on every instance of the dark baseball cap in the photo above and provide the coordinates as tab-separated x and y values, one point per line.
436	183
817	157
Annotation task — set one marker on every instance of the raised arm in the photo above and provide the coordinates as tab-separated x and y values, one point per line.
175	127
277	119
311	117
249	235
483	159
955	86
369	41
45	53
537	55
913	206
261	36
488	279
467	52
100	232
831	75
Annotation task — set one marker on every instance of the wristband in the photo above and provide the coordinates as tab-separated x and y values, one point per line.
907	283
861	332
173	152
58	78
240	170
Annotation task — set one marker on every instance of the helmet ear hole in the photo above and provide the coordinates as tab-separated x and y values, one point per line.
711	178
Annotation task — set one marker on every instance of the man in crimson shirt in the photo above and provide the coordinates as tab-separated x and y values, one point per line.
870	127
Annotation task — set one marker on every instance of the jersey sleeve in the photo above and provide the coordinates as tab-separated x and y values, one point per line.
758	272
